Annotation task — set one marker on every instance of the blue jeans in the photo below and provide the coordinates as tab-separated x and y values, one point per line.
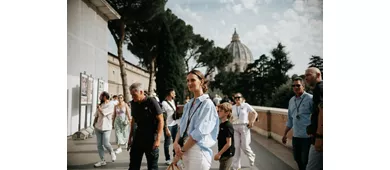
103	139
315	159
167	141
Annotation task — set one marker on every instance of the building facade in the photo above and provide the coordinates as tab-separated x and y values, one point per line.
134	74
87	52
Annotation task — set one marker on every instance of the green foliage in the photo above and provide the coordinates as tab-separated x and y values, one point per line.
317	61
281	96
170	72
259	82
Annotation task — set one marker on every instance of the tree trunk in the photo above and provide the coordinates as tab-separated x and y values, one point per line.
151	75
126	93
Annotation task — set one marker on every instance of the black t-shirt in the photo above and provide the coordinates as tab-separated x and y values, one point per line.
225	131
145	116
317	99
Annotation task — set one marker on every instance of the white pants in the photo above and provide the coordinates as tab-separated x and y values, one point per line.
242	139
196	159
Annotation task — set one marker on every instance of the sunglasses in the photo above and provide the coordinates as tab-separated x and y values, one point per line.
237	97
296	85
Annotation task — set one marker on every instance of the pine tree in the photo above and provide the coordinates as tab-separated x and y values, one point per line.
170	71
316	61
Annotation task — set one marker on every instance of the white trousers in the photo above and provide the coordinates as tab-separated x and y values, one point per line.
196	159
242	139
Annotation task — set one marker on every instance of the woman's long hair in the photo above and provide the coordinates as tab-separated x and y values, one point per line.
104	94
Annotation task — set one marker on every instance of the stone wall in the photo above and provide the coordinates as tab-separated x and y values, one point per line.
134	74
87	51
271	123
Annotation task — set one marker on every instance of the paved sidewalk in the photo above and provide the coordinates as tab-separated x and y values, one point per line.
83	154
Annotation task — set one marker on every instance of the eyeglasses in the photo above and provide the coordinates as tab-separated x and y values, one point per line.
296	85
237	97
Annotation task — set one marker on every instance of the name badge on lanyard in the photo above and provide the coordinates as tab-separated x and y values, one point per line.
297	107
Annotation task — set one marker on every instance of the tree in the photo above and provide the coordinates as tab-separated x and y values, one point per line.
145	35
170	70
260	86
281	96
197	46
130	11
226	81
143	44
259	82
215	58
279	66
317	61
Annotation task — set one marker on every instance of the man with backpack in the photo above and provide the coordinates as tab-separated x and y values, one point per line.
148	118
170	123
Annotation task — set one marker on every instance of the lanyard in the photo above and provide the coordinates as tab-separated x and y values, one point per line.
297	107
190	116
238	111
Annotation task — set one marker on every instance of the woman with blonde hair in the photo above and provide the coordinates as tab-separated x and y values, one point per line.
121	120
198	127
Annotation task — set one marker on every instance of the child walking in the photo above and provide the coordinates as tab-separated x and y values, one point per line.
225	137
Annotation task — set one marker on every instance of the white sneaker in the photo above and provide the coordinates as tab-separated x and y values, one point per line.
101	163
119	150
113	156
168	162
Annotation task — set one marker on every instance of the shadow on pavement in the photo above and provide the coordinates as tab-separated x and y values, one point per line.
111	165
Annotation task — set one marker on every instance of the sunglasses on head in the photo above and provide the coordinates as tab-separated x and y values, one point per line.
296	85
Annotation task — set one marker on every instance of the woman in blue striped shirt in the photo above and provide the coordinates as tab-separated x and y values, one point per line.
198	127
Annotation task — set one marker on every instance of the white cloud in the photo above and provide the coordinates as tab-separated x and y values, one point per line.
276	16
223	22
187	12
290	14
249	4
297	25
237	8
299	5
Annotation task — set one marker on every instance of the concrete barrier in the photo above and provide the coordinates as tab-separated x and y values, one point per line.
271	123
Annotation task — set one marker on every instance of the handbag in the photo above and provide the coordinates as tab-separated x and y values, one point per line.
175	115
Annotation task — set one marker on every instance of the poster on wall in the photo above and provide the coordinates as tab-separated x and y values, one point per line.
100	89
83	88
90	90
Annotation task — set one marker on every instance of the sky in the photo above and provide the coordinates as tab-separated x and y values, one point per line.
261	24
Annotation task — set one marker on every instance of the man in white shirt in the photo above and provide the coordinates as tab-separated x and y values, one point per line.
114	100
170	126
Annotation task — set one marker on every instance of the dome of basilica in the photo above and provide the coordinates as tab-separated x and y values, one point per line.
242	56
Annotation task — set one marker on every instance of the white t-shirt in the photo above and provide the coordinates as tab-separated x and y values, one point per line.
115	102
105	119
170	111
240	113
